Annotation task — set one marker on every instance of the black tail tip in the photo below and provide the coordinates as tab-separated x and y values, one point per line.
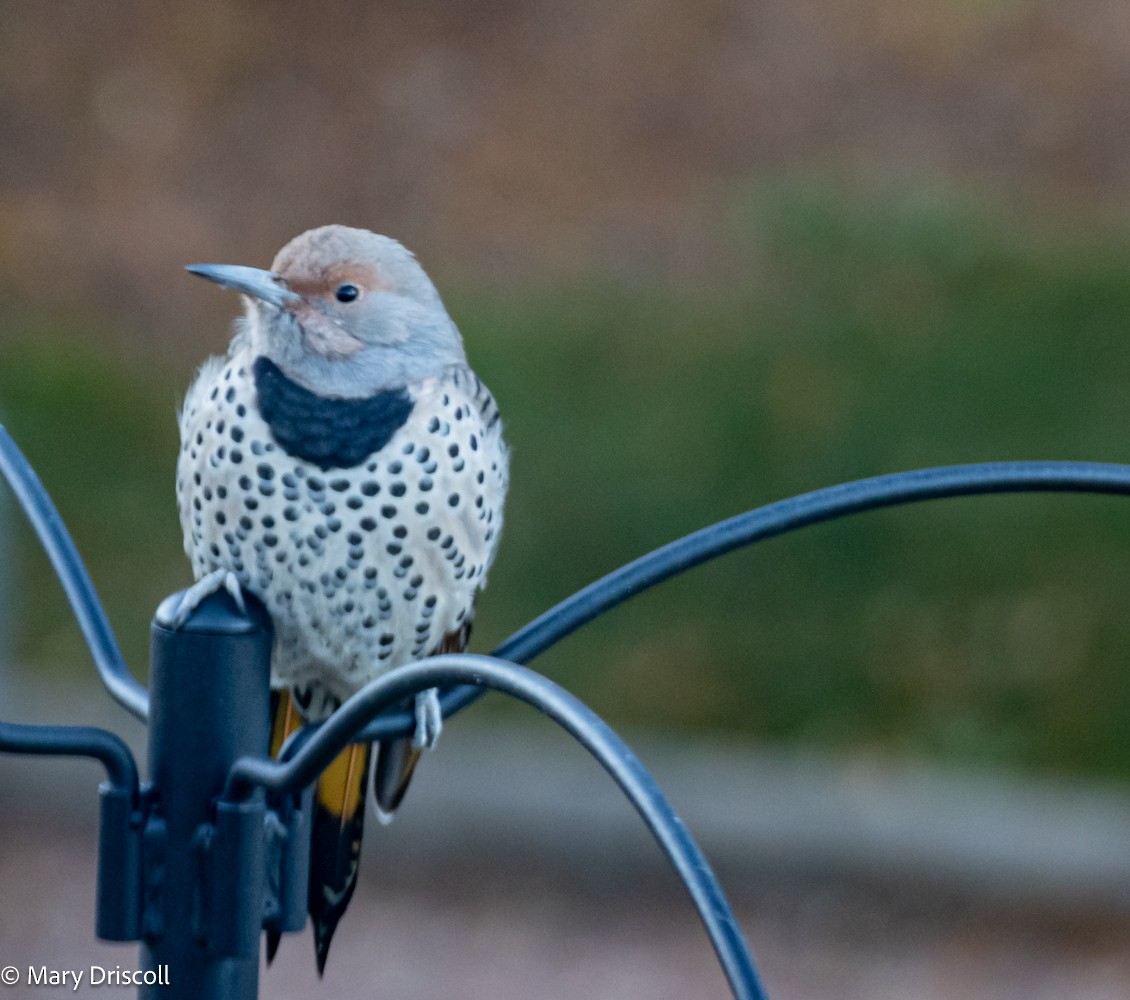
322	943
273	939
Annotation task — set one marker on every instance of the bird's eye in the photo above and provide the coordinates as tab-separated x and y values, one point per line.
347	293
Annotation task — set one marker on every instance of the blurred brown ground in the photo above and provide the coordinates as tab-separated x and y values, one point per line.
575	901
511	141
512	931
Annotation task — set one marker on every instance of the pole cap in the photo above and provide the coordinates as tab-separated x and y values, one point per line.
216	614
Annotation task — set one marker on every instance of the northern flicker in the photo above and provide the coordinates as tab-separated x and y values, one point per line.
344	464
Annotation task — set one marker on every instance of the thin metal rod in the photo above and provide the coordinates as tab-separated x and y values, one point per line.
74	741
579	721
768	522
60	548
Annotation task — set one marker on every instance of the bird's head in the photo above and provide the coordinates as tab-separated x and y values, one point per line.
344	312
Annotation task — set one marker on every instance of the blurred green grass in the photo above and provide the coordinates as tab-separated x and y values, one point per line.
874	331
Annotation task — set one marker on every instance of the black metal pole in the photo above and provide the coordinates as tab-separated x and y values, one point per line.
205	865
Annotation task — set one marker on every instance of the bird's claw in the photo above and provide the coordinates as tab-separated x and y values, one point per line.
429	720
206	586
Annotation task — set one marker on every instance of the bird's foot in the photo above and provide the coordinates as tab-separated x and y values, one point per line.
429	720
206	586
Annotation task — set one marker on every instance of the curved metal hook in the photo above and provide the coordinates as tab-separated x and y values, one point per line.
767	522
75	741
579	721
60	549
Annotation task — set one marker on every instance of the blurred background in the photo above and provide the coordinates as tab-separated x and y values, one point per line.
707	255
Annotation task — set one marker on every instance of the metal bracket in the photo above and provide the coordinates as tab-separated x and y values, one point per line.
288	862
232	859
122	841
154	851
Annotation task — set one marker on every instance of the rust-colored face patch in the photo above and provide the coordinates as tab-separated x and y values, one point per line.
322	283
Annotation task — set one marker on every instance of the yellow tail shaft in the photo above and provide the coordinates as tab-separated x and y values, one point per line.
338	821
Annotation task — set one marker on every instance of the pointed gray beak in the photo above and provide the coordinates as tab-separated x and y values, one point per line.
259	284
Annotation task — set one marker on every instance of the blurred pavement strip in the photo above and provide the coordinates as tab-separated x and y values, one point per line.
758	813
527	792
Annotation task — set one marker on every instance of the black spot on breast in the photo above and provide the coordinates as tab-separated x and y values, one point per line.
327	432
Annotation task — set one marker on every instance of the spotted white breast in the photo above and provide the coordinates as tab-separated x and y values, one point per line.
363	567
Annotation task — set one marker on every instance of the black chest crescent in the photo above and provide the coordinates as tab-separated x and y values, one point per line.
327	432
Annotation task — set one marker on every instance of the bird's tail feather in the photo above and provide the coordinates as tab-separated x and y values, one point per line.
397	759
392	772
337	824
